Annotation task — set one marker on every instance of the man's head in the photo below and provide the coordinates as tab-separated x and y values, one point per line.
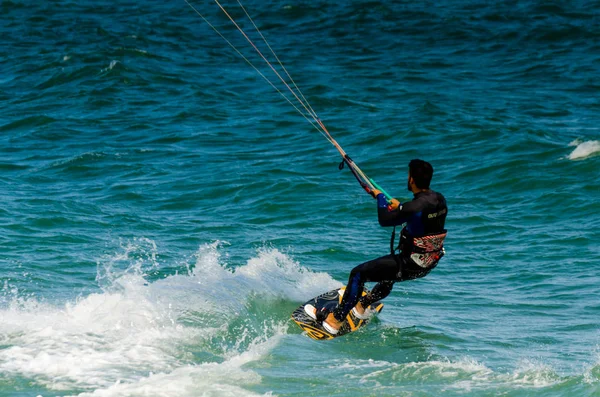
419	175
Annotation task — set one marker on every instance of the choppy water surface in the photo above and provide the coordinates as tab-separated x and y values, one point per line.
163	209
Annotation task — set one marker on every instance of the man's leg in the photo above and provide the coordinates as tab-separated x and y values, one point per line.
380	269
379	292
383	288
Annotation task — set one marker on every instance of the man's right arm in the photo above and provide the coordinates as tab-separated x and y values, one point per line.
390	216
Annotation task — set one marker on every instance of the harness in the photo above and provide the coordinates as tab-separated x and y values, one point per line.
425	251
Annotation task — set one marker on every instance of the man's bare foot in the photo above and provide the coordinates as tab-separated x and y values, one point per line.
359	308
331	324
361	312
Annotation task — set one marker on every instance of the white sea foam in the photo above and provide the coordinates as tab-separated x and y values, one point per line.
472	375
209	379
111	66
464	374
531	373
133	338
584	149
276	273
592	373
88	343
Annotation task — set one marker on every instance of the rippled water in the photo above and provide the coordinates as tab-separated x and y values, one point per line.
163	209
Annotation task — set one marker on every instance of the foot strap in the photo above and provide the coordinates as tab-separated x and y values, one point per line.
317	315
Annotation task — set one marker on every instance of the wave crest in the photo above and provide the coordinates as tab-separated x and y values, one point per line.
584	149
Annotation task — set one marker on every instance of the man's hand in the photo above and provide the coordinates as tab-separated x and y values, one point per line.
394	204
374	193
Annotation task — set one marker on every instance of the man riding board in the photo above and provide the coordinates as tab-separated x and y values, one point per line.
420	248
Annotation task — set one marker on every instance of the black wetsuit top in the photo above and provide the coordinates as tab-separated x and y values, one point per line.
424	215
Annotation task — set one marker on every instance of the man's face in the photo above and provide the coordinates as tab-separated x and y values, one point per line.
408	183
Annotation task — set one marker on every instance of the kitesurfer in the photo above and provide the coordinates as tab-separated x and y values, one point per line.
420	248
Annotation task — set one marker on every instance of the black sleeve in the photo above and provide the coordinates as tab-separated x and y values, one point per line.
398	216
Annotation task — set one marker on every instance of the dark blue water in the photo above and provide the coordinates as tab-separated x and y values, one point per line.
163	209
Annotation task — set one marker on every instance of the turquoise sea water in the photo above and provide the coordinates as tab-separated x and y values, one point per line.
163	209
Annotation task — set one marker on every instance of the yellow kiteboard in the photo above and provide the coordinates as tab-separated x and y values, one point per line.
329	301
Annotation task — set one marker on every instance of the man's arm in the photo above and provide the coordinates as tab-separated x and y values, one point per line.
398	213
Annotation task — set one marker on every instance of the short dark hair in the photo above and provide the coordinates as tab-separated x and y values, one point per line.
421	172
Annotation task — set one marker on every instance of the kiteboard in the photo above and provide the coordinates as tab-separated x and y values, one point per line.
328	301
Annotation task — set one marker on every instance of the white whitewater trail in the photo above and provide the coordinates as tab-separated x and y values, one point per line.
141	338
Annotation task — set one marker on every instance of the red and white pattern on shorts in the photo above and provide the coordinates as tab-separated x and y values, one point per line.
432	245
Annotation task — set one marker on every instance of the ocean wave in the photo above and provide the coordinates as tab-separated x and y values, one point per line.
136	335
462	375
27	123
209	379
584	149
